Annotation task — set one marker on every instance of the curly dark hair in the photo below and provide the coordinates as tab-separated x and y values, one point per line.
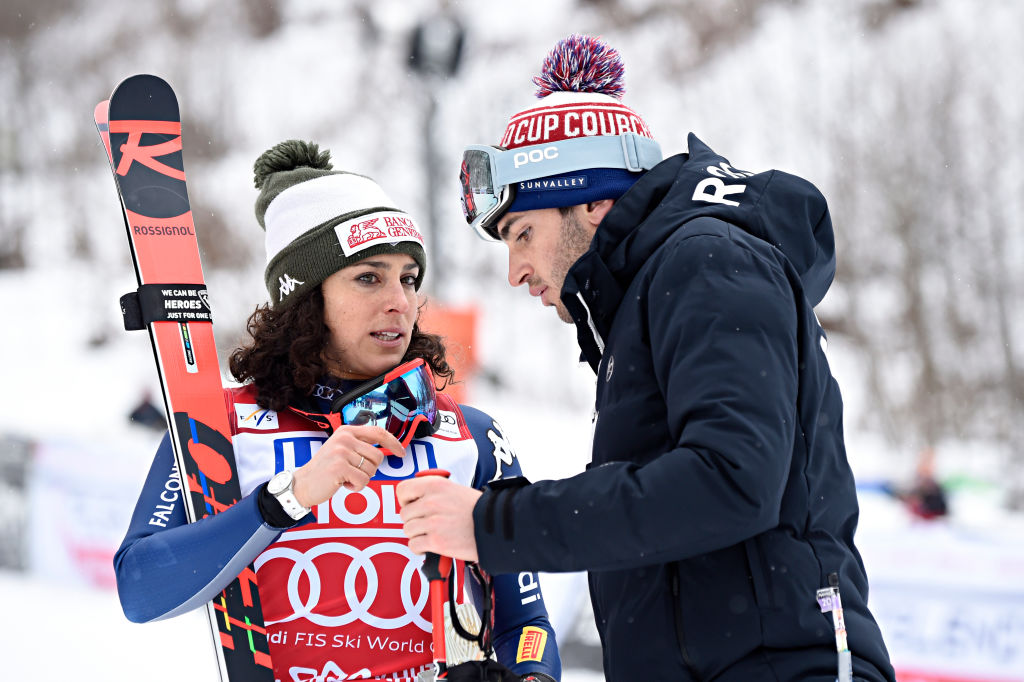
284	359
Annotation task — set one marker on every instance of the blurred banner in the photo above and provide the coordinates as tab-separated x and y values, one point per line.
949	601
458	327
81	496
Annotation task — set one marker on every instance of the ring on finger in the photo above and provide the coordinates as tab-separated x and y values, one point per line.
362	458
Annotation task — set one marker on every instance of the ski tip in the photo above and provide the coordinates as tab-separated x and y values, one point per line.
143	97
141	82
99	114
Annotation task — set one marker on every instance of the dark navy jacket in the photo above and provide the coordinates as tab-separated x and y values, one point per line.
719	498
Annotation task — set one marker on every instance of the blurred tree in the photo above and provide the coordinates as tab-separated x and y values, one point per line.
931	243
20	20
263	17
712	27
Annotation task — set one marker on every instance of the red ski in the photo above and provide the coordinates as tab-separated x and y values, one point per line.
141	130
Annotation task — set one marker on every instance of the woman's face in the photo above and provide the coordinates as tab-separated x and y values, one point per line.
369	309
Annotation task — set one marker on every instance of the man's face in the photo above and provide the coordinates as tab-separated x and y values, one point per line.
542	246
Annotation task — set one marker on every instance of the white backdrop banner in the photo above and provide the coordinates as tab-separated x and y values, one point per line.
81	496
949	601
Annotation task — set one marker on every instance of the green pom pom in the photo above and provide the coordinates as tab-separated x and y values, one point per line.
289	155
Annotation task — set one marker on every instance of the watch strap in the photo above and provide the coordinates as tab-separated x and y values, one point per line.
271	510
289	503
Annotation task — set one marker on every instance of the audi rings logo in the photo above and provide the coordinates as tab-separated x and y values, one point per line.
303	563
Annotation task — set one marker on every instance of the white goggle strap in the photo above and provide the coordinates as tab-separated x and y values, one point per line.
628	151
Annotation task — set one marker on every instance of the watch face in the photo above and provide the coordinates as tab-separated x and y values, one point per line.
279	483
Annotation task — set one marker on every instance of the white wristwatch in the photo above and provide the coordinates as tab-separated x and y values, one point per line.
280	486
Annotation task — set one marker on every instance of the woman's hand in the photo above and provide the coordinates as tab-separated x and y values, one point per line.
349	458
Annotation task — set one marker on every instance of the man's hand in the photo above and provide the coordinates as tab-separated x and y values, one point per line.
438	516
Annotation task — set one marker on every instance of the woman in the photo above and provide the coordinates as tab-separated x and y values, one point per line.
336	373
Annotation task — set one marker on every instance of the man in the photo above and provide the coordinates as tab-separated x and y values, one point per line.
719	499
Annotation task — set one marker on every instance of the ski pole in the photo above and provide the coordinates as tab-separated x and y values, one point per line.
437	568
828	600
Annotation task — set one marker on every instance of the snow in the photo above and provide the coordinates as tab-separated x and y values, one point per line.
70	374
95	641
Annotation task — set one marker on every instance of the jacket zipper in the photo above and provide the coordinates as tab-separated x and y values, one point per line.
590	323
677	608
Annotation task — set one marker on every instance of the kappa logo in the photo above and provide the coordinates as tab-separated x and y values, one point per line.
503	453
288	285
251	416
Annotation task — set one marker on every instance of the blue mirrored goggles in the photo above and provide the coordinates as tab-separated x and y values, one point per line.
489	175
403	401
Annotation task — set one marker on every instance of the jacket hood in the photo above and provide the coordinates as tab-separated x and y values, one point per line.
786	211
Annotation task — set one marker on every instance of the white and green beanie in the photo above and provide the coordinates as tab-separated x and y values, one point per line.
318	220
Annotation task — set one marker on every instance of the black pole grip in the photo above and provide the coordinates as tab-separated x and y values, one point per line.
432	567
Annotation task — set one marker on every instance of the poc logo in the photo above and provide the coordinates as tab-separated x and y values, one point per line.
535	155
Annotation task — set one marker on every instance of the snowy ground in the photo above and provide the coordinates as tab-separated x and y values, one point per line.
97	643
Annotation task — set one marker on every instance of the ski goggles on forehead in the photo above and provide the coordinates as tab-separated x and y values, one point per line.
403	401
489	175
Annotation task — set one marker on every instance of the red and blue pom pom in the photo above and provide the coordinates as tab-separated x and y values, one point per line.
581	63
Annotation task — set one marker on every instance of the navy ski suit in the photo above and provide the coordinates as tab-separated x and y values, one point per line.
719	498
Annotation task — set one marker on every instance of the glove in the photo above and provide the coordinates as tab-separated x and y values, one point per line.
486	670
536	677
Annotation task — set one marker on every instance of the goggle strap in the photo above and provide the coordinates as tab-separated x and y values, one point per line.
328	422
377	382
628	151
402	369
410	431
483	638
349	396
